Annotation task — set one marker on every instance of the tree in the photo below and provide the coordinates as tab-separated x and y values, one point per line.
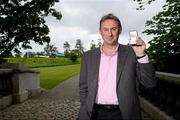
23	21
99	42
18	54
66	47
164	48
42	53
142	3
73	56
29	54
79	47
93	45
50	50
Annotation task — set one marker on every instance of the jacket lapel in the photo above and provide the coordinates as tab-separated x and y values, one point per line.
122	55
96	58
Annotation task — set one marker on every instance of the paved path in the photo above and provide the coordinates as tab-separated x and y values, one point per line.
60	103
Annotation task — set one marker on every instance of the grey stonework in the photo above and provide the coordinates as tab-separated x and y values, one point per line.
24	83
42	109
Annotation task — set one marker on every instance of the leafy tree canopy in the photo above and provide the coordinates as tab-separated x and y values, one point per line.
141	3
66	47
50	50
93	45
164	48
79	47
23	21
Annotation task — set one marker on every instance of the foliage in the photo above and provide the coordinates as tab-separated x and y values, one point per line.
99	42
52	76
66	47
40	53
22	21
93	45
30	54
164	49
2	60
42	62
18	54
141	3
79	47
50	50
73	56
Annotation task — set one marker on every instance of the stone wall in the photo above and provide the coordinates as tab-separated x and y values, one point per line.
25	83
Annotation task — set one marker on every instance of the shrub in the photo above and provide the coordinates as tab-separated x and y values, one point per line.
73	57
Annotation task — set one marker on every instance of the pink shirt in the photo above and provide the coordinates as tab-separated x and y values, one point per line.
106	90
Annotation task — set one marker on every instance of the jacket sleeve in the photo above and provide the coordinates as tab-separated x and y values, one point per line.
146	74
83	90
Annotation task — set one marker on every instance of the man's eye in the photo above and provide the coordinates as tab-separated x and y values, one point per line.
105	29
114	29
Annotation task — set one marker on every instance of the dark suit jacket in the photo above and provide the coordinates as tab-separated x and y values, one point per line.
129	72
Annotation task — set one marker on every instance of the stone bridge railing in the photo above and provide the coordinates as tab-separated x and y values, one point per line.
17	83
5	82
163	101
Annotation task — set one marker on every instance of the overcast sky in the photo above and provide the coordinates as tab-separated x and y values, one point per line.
80	20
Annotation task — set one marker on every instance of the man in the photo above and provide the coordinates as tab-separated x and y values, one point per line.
109	76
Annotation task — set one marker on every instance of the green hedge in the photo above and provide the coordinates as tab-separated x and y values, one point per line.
43	62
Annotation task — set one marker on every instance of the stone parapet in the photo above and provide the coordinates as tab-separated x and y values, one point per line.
15	66
25	83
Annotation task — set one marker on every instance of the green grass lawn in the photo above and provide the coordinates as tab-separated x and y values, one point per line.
52	76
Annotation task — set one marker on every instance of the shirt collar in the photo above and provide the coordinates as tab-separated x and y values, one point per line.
113	53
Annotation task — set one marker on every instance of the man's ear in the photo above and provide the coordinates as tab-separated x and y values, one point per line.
120	32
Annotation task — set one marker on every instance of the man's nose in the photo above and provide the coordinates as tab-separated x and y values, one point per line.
110	32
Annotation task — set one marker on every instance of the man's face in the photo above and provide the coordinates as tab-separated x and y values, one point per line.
110	32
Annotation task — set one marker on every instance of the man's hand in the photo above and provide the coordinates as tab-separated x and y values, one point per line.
139	47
